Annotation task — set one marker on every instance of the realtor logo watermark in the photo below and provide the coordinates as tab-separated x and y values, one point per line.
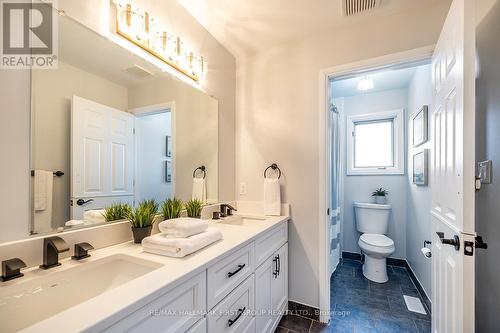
29	34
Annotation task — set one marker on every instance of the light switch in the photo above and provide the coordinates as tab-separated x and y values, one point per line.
243	188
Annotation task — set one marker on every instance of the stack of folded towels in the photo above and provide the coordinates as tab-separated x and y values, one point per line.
180	237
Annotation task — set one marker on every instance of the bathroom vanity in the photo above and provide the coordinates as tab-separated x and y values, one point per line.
239	284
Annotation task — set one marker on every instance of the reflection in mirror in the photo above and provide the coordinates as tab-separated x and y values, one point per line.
118	129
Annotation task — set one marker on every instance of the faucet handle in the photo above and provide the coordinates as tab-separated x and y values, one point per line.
82	251
11	269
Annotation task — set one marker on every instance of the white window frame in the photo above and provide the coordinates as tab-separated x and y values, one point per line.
397	116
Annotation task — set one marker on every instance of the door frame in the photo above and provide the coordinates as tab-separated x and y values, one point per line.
414	56
155	109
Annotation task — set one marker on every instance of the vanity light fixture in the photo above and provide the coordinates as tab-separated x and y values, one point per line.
143	30
365	84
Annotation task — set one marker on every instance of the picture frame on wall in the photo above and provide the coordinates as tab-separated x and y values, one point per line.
420	171
168	146
420	127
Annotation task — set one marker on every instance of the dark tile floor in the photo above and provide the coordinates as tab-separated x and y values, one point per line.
359	305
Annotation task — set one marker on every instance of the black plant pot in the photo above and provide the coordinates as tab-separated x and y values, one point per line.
141	233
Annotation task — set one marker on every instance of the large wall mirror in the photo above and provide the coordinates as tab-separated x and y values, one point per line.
108	127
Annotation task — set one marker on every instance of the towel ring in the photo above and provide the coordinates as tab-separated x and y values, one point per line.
203	169
273	166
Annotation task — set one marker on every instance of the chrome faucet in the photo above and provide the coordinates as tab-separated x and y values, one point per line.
52	246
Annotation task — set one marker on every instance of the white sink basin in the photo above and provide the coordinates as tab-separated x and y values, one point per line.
25	304
242	220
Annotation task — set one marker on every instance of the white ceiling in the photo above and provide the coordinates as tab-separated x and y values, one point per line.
383	80
245	27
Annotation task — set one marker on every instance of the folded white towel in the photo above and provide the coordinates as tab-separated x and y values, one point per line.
199	189
180	247
272	197
182	227
42	189
94	216
72	223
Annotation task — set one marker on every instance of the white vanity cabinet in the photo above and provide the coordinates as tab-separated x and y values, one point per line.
245	291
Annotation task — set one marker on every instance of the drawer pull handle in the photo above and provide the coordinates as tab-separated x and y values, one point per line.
240	267
279	263
275	272
240	312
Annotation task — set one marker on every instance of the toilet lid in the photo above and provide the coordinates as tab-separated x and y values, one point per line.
377	240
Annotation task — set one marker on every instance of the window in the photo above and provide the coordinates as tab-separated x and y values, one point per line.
375	143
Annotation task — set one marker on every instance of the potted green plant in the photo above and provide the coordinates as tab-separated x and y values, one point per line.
142	219
172	208
380	196
117	211
193	208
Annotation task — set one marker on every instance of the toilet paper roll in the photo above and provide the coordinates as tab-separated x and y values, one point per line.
426	252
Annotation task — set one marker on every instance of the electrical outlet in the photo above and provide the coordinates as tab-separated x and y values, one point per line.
243	188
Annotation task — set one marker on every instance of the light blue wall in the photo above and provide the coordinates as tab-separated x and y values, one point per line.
419	197
359	188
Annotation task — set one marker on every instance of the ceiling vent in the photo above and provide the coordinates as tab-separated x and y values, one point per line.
353	7
138	72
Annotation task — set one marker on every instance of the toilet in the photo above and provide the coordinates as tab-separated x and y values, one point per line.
372	220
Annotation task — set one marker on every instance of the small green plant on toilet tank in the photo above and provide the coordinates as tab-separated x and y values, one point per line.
117	211
380	196
142	219
193	207
171	208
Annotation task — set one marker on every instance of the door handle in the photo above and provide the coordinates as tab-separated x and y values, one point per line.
279	263
81	202
455	241
275	272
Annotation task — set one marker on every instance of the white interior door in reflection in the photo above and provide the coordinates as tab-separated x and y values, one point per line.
102	156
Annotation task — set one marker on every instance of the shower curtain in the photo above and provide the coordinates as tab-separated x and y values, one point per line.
335	190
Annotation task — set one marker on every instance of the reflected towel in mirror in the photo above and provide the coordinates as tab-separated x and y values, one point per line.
199	189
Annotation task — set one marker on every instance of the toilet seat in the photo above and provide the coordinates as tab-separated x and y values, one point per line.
380	241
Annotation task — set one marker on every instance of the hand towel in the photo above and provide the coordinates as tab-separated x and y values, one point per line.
42	201
94	216
272	197
43	189
182	227
199	189
180	247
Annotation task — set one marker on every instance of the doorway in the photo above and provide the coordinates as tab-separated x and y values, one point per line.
154	162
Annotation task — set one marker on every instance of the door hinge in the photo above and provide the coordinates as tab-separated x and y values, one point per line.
478	184
478	243
328	211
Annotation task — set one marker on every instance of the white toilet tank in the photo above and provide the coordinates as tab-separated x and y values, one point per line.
372	218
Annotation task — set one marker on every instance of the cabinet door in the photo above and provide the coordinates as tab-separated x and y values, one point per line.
263	307
279	281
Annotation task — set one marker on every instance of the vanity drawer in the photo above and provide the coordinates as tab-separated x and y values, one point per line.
270	242
234	313
168	312
227	273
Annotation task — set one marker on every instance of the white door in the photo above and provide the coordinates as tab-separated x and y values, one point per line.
102	156
263	277
453	171
279	282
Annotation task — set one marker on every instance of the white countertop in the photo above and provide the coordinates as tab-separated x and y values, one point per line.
112	305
